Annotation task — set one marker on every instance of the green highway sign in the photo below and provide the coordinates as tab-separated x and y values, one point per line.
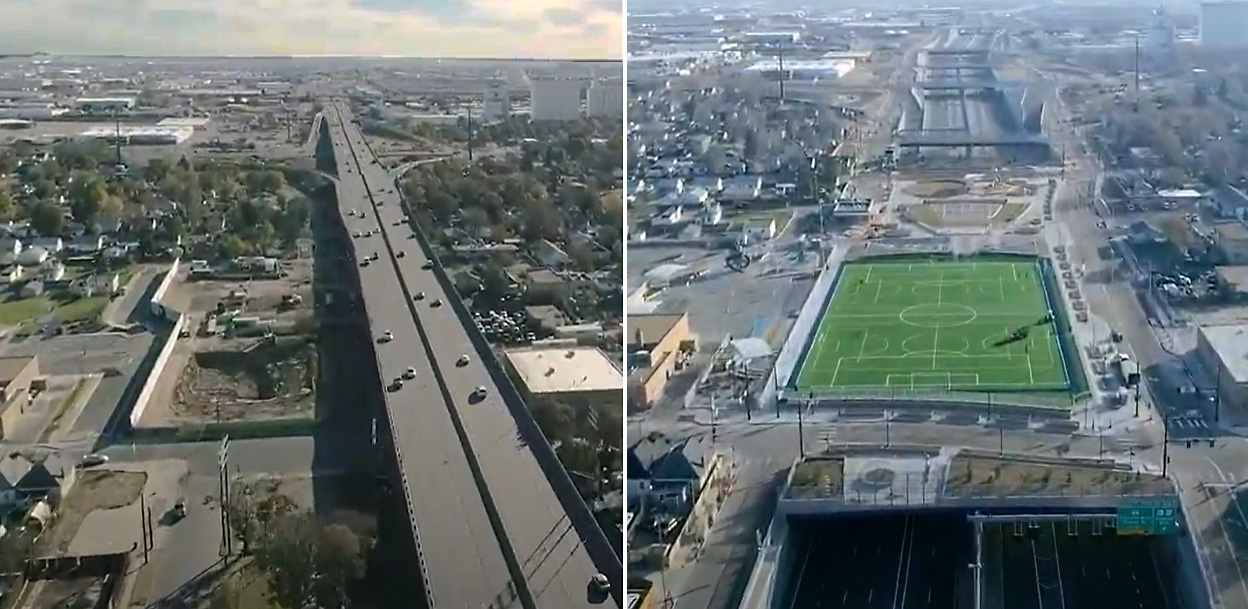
1148	517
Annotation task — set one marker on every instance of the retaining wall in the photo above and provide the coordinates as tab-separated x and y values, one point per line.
158	297
166	341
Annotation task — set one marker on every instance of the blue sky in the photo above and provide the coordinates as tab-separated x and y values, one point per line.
554	29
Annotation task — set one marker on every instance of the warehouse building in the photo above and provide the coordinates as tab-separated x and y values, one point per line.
98	105
142	136
571	374
659	347
1224	348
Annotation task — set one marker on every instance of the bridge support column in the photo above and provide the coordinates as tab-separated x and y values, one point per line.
978	565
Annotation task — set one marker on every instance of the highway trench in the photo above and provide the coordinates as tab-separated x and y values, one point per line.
923	561
533	535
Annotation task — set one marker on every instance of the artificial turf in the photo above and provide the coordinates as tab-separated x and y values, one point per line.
936	325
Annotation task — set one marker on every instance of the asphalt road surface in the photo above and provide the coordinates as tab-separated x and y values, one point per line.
923	562
490	527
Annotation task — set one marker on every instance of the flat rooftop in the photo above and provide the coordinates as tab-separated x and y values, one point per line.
1230	342
565	370
10	367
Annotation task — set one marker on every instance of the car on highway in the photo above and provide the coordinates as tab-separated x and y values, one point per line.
427	265
401	254
395	385
365	262
93	460
409	374
386	337
376	256
419	296
463	360
599	588
480	392
437	302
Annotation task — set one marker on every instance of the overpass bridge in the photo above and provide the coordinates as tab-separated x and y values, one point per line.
479	501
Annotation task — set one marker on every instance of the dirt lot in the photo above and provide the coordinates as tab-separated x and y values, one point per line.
264	296
231	379
95	490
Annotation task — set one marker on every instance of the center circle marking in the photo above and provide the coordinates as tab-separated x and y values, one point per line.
938	315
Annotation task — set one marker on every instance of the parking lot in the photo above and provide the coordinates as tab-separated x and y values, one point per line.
756	303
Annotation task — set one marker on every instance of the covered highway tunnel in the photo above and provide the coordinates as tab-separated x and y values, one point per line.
926	559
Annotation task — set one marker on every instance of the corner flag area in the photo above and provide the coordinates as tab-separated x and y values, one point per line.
937	325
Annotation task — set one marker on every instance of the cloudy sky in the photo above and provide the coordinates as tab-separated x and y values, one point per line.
547	29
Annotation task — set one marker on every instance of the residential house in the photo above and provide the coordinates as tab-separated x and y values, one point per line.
759	229
12	274
102	284
551	255
86	244
28	477
32	256
666	471
52	245
741	189
10	247
109	226
52	272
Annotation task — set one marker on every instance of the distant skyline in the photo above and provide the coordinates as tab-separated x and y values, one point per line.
539	29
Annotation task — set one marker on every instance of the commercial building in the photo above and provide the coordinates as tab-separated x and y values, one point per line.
1225	349
142	136
31	111
95	105
554	98
605	99
1223	24
659	347
570	374
17	375
497	105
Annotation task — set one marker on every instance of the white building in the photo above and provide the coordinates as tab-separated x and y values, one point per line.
1161	34
554	98
1223	24
497	104
605	99
103	104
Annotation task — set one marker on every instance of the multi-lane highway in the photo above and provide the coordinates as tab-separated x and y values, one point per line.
489	526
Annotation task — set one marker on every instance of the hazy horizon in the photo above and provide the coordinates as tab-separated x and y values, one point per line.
467	29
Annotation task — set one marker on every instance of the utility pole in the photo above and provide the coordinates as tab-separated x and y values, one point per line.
780	66
801	429
1136	105
1165	448
470	134
1217	397
223	489
143	524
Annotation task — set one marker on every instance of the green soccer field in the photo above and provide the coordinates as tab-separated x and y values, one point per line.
940	325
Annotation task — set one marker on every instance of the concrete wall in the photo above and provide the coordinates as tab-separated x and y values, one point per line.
158	296
167	341
803	328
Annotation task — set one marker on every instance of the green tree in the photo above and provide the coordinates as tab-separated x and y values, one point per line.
47	219
288	557
231	247
87	198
